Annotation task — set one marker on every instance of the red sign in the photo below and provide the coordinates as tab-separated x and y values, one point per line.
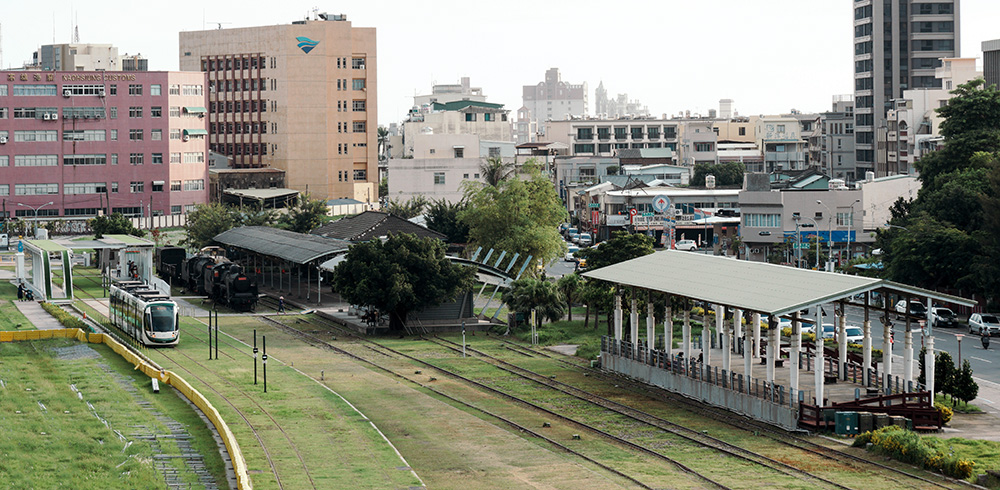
593	218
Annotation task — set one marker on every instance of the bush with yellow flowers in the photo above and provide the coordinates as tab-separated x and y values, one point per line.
907	446
946	412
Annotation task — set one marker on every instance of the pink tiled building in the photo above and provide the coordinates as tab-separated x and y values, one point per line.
90	141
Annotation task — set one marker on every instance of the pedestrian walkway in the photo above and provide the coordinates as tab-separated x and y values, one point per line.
41	319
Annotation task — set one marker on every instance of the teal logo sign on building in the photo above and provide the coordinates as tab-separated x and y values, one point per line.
306	44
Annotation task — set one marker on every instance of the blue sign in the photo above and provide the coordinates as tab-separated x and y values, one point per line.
661	204
306	44
839	236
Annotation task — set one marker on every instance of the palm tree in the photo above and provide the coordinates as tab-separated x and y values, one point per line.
495	171
383	143
525	295
570	286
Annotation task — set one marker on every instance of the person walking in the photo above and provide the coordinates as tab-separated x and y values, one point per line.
20	291
281	304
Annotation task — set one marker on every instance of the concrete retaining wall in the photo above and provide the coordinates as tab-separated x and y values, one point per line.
712	394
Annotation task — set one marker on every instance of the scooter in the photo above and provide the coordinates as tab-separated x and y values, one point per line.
986	340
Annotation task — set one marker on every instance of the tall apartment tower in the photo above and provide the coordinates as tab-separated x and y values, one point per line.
554	99
298	97
897	46
991	62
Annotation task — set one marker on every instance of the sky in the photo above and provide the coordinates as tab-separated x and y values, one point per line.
769	56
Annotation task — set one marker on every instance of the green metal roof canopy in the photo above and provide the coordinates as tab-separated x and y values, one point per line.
754	286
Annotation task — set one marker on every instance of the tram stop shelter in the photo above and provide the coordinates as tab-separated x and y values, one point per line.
38	274
761	296
117	252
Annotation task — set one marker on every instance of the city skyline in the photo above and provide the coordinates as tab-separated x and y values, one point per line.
769	57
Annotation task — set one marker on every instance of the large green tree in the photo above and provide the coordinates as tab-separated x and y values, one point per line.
409	209
495	171
306	215
946	239
529	294
442	217
570	285
520	215
621	247
116	224
400	275
207	221
726	174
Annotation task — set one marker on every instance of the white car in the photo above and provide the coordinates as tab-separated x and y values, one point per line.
688	245
572	249
980	323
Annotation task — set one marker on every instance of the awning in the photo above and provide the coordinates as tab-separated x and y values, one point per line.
158	182
195	110
195	132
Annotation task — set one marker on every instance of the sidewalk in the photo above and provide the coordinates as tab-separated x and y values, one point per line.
41	319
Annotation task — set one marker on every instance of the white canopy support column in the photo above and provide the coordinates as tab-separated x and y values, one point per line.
668	330
929	361
793	361
723	327
867	348
618	317
686	335
650	330
756	336
737	328
842	345
748	356
633	321
706	339
907	359
819	358
886	351
773	348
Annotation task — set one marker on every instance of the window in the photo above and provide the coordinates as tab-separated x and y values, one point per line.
194	157
194	185
175	134
135	112
84	135
114	159
36	135
82	89
137	187
361	174
157	158
35	189
135	158
175	90
762	220
156	134
4	189
459	152
36	160
157	186
113	134
781	128
33	90
175	209
85	159
175	185
134	89
438	178
704	146
358	84
135	135
583	148
358	63
743	131
154	89
175	112
155	112
4	160
83	113
112	89
113	112
584	133
494	152
358	106
3	90
85	188
114	187
175	157
192	90
359	126
845	219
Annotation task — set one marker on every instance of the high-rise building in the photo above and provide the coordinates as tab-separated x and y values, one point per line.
897	46
74	143
991	62
299	97
554	99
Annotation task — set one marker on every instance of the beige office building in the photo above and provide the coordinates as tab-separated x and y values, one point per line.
299	97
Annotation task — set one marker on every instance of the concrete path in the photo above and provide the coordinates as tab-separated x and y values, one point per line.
41	319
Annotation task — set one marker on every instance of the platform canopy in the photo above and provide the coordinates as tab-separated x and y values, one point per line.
298	248
754	286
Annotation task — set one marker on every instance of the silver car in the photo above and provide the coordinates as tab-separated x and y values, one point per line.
988	323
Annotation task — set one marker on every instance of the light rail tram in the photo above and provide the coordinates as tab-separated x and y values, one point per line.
144	314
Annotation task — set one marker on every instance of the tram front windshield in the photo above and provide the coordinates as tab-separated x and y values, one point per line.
162	317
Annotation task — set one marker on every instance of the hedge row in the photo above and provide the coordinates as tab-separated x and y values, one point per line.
68	321
906	446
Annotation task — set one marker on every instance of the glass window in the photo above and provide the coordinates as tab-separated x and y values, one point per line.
438	178
135	89
34	90
137	187
358	83
154	89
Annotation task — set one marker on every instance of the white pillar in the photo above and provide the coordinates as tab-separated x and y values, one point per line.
756	335
793	360
907	358
866	378
747	359
818	367
706	339
618	317
737	327
668	331
842	343
686	335
650	329
720	320
929	360
886	353
726	347
633	321
773	350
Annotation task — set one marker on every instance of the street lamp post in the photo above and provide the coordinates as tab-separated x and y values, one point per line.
959	337
850	228
798	238
34	212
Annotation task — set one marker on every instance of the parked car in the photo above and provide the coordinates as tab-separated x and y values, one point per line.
585	240
571	231
574	237
854	334
943	317
916	308
572	249
980	323
688	245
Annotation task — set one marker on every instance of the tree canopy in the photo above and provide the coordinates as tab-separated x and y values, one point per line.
727	173
442	217
520	215
116	224
621	247
947	237
411	208
306	215
400	275
529	294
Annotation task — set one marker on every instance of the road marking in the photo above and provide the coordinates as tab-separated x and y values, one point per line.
985	400
980	359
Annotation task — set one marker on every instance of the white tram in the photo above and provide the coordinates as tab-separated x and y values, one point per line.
144	314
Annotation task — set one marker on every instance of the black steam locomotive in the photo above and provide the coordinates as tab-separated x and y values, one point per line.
211	274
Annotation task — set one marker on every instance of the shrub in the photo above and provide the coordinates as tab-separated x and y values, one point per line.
589	349
67	320
946	412
906	446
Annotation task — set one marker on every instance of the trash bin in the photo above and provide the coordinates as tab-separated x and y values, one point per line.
881	420
898	420
866	421
847	423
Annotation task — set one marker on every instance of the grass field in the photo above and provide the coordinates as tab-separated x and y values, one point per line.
55	438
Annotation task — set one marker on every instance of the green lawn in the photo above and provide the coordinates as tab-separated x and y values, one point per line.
10	317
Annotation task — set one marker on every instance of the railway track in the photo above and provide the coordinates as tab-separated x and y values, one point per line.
735	420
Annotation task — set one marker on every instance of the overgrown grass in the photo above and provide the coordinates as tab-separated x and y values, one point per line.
53	439
10	317
956	405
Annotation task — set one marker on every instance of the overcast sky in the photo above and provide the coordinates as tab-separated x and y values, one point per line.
769	56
